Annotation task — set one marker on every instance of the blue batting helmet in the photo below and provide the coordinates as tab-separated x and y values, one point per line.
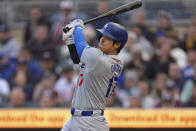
115	32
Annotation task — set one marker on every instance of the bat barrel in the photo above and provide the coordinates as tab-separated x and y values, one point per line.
116	11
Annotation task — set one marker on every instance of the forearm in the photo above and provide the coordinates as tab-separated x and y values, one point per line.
80	41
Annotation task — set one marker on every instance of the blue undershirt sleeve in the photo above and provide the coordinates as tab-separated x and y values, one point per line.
80	41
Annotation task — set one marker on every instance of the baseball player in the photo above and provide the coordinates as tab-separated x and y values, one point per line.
100	69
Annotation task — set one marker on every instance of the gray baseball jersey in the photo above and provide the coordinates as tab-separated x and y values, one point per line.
98	78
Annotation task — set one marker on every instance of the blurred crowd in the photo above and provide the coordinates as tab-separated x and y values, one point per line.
159	66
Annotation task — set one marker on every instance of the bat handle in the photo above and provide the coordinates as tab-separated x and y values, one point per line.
66	29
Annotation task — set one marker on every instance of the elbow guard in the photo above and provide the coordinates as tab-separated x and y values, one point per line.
73	54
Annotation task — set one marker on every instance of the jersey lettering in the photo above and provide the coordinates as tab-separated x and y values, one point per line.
111	86
116	68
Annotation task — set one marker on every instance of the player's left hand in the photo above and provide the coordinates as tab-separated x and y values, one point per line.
78	22
68	34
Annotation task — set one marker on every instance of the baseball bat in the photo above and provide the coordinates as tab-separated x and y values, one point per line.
121	9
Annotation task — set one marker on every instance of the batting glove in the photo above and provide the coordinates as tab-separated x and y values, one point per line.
68	32
78	22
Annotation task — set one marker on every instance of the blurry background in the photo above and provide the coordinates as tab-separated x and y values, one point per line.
159	57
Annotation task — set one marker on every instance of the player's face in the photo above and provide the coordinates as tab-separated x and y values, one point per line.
106	45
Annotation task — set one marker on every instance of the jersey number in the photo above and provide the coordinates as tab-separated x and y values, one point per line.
81	80
112	85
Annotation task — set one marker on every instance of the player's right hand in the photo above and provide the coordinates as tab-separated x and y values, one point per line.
78	22
68	31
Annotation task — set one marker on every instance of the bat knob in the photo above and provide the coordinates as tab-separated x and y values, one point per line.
66	29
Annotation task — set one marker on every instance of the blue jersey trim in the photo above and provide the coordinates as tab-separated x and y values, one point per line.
80	40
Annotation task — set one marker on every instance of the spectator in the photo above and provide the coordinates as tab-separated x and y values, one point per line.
36	17
172	91
130	85
167	102
147	102
176	52
17	98
137	59
46	84
187	89
60	20
25	73
48	62
22	78
159	86
135	99
142	41
65	85
137	63
4	91
160	62
42	42
6	69
188	70
9	47
164	21
113	102
189	41
47	99
33	65
192	101
139	17
174	73
126	54
103	7
135	102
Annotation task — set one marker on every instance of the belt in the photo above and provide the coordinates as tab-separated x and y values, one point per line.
76	112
